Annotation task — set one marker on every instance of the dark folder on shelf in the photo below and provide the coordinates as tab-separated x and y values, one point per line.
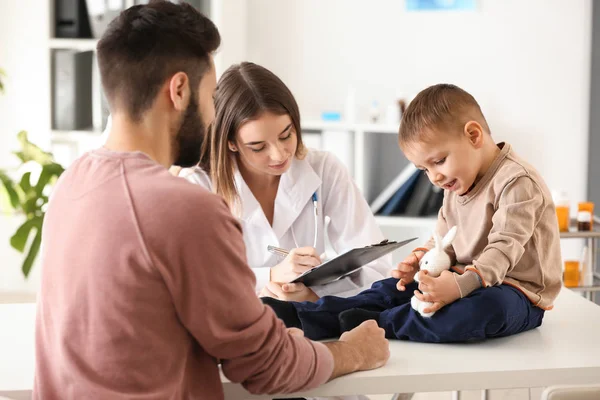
398	202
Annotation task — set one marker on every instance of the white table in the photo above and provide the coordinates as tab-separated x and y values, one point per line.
565	350
17	351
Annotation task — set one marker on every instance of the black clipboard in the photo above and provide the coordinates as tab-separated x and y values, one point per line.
347	263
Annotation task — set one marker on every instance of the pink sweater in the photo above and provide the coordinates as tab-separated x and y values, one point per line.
145	288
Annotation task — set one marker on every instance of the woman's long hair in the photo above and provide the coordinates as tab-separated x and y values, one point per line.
243	93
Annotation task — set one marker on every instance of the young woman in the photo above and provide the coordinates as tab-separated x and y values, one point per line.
255	159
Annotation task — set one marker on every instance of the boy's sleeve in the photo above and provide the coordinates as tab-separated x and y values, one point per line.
513	224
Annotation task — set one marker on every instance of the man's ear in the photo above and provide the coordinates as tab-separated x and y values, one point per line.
474	133
179	91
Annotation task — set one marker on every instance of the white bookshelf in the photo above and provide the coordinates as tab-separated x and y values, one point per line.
361	127
406	222
72	44
376	160
225	13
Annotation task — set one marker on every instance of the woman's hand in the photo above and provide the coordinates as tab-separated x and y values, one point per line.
288	292
296	263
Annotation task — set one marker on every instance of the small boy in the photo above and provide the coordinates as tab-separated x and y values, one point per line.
506	254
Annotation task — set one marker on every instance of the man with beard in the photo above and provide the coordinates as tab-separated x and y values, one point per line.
145	286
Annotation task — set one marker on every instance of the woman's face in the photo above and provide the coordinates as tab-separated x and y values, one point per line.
266	145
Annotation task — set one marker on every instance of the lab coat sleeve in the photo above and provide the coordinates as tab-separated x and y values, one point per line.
263	276
196	175
352	225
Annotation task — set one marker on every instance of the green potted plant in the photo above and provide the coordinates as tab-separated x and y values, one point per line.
26	193
1	84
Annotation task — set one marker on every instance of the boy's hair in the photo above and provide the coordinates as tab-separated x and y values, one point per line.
442	107
145	45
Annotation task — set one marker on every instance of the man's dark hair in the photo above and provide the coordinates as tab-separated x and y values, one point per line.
145	45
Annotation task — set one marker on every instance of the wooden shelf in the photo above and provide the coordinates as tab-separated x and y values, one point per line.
74	44
580	234
594	288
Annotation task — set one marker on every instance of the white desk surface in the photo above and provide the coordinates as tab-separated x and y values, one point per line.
565	350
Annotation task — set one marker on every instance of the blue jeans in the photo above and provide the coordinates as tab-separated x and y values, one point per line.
490	312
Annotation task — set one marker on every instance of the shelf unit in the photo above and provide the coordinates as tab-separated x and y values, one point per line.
374	161
72	44
591	237
376	158
72	144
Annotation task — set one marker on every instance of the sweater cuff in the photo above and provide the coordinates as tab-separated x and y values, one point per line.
324	365
467	282
423	249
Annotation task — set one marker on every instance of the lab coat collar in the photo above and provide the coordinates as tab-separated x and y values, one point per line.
296	188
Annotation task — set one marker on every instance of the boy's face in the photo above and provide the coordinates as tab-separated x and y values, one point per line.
451	161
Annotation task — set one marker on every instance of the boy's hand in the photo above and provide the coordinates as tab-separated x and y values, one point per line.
441	291
406	270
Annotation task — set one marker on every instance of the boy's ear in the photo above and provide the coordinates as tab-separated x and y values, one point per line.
474	133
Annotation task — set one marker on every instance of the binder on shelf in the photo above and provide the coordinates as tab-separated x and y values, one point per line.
399	201
434	202
416	197
391	189
419	197
72	90
71	19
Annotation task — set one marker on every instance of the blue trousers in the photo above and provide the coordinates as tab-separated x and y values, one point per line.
486	313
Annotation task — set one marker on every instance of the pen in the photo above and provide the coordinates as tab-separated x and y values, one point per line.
283	252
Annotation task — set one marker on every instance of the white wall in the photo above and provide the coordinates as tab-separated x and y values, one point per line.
230	18
24	57
526	62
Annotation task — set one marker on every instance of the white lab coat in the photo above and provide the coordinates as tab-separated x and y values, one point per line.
351	222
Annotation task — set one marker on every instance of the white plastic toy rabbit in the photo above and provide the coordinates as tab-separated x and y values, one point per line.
434	261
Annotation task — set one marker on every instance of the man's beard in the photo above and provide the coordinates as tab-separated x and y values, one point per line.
190	136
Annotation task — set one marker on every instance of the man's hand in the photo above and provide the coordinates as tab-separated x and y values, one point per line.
441	291
364	347
289	292
406	270
370	342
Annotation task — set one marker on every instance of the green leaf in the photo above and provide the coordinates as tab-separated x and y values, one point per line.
26	182
9	186
49	172
31	152
33	252
19	240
